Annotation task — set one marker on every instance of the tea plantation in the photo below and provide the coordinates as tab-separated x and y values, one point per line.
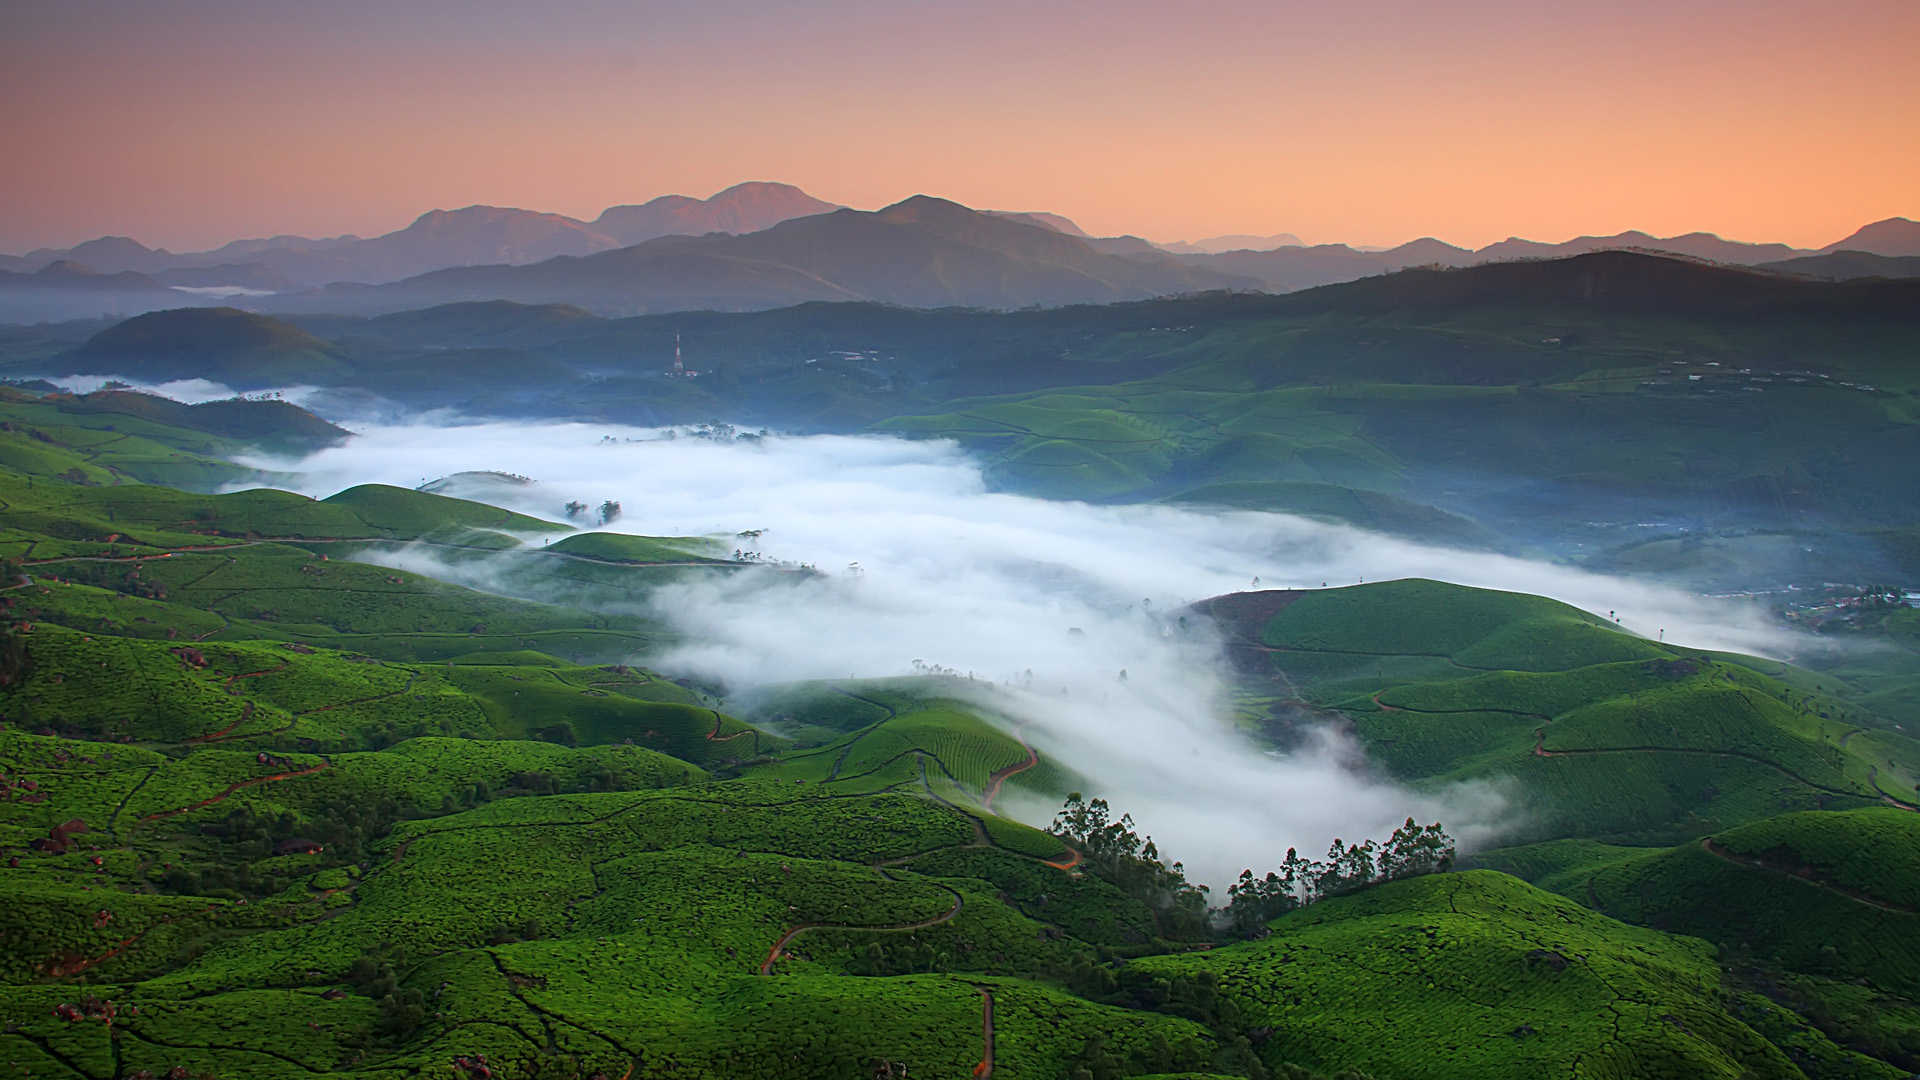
269	811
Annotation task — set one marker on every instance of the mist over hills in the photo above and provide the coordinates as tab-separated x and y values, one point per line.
1431	402
249	733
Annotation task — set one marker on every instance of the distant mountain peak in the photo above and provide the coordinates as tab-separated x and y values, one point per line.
1216	245
1057	222
480	213
743	208
757	187
1894	236
924	208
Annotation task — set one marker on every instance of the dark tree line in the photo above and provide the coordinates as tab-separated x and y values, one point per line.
1411	851
1116	851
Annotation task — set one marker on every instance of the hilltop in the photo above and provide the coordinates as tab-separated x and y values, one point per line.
1894	237
223	344
742	208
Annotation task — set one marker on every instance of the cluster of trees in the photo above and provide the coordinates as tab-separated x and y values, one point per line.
1411	851
399	1011
1194	996
234	860
1115	849
718	431
606	512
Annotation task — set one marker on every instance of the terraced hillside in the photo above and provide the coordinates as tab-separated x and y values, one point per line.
268	811
1765	808
1601	734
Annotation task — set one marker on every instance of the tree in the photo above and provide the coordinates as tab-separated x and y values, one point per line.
575	508
609	510
1414	849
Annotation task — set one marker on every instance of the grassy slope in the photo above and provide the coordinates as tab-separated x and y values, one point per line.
1476	974
1592	732
614	901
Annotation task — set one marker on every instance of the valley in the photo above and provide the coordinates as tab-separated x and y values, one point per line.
393	782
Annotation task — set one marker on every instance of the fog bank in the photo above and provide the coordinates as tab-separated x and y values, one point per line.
923	564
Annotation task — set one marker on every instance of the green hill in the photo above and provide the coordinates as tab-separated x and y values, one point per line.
275	425
619	547
1592	732
1830	894
1510	982
402	512
269	811
227	345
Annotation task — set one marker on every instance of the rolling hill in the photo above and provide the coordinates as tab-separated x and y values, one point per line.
1846	265
223	344
234	757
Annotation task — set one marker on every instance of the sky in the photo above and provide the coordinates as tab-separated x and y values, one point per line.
187	123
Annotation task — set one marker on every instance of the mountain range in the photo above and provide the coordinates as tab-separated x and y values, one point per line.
472	236
920	252
763	245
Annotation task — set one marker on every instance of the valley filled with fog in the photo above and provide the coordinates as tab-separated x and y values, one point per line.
874	557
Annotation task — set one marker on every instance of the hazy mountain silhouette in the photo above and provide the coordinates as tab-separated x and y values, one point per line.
1288	268
224	344
437	239
742	208
1618	281
1849	266
1056	222
1216	245
1894	236
867	256
1699	245
922	252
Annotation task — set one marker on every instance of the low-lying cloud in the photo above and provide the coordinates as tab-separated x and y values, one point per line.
923	564
189	391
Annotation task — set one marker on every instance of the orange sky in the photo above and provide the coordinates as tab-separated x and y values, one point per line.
190	123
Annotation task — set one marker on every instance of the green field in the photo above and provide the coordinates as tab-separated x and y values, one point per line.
269	811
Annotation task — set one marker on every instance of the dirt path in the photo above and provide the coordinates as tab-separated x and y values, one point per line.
246	714
985	1068
1000	777
61	970
1804	874
892	714
237	787
773	954
231	679
715	736
1541	751
1072	860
